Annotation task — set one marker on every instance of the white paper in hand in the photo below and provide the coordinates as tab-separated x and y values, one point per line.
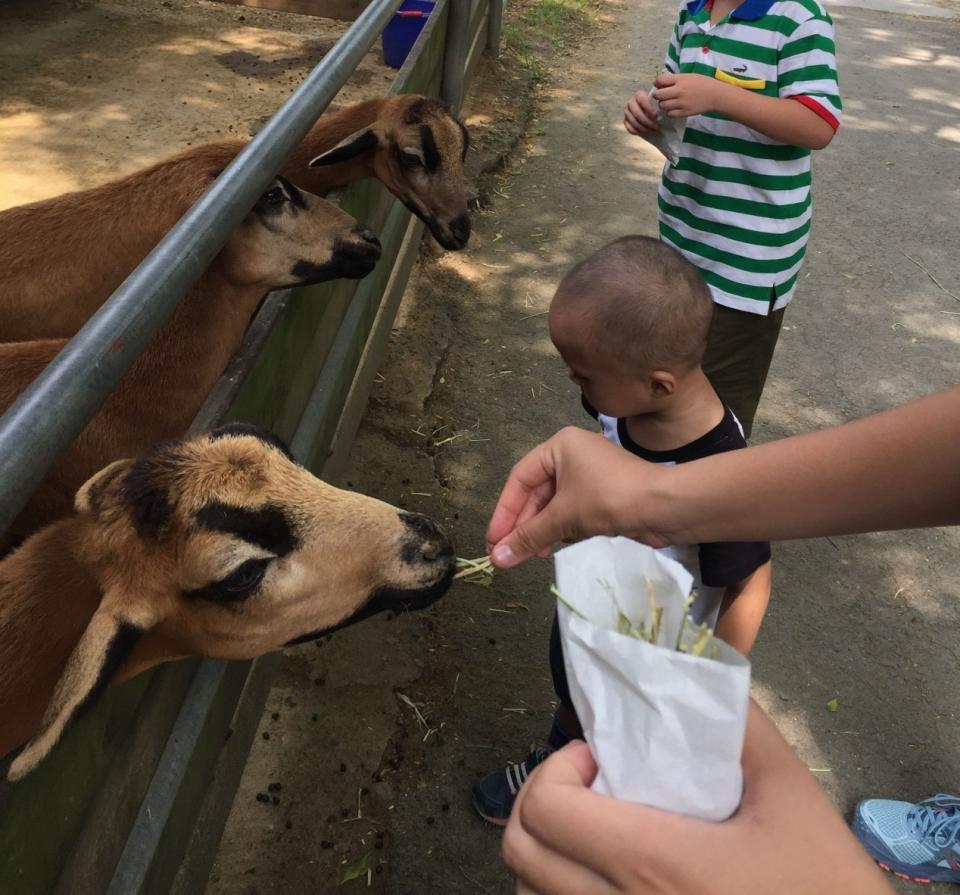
671	132
666	728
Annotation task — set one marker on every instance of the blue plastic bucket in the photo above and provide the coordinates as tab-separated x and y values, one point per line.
403	30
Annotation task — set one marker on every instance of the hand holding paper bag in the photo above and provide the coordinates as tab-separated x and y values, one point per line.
670	136
666	727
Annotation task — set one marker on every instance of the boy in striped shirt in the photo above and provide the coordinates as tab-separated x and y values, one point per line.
756	83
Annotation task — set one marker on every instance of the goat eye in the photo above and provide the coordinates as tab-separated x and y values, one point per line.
276	196
410	160
244	578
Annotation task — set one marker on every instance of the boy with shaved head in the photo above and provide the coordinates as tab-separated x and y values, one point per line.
631	324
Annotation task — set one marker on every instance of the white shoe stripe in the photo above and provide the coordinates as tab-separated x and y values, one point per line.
514	787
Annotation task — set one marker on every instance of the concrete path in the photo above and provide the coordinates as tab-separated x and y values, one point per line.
473	382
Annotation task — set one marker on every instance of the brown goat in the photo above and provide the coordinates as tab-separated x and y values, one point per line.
63	257
217	546
291	237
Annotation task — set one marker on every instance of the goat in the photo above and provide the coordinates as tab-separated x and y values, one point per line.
290	237
218	546
62	258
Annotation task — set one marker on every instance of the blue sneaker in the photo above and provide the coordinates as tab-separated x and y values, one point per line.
495	793
919	842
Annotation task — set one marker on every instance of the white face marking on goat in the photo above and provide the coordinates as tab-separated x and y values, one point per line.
292	237
222	546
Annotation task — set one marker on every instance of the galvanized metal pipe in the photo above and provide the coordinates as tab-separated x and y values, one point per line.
455	52
494	27
59	403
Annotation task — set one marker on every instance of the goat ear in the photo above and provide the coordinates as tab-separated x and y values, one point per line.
91	491
108	640
356	144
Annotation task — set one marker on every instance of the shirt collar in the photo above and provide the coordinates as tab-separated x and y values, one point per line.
748	10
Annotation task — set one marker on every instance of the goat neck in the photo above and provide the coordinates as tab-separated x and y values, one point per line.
181	363
103	233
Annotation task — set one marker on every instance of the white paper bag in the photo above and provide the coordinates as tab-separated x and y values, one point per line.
666	728
671	132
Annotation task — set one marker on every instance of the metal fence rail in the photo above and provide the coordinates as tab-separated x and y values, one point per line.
61	401
135	799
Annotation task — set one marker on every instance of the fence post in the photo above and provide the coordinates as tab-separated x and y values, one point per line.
455	52
494	25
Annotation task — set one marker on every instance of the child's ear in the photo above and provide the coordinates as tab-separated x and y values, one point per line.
662	383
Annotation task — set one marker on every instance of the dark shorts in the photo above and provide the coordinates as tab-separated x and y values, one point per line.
557	668
739	351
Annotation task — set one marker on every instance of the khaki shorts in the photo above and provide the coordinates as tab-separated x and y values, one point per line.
739	351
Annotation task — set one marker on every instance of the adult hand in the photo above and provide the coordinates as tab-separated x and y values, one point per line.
640	116
687	94
574	485
787	837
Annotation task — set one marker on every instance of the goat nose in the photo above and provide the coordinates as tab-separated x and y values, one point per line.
367	236
460	228
432	543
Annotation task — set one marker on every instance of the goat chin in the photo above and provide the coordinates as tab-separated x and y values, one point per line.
388	599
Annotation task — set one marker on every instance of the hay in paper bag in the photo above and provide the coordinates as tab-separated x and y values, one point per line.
665	719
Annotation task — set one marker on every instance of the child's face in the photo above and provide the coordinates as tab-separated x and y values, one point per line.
610	389
613	392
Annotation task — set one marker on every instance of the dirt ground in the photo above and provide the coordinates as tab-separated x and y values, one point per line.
95	89
372	741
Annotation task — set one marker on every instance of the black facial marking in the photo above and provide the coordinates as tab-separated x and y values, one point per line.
424	106
351	258
466	137
364	142
120	646
255	432
384	599
146	498
425	216
296	197
311	272
272	204
267	527
421	530
241	584
265	217
431	155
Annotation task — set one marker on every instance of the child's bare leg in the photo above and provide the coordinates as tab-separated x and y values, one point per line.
743	608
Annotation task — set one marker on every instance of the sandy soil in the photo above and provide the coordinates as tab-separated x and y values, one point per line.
94	89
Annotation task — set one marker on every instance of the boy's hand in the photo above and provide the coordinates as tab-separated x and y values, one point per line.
640	116
683	95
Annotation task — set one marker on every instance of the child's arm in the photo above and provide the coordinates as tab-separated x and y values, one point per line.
784	120
744	605
640	116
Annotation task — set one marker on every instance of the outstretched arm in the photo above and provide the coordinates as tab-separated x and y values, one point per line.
896	469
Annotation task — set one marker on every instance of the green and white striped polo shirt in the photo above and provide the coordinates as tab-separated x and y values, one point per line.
737	204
